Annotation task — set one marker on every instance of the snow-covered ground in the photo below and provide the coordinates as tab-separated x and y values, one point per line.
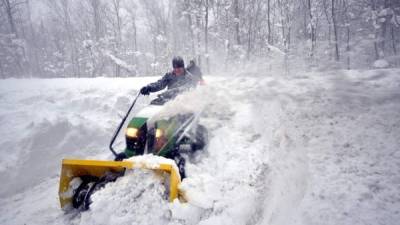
305	148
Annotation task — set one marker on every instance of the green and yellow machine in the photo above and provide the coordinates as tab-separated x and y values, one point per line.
145	134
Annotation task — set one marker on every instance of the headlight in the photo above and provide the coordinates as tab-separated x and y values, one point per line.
132	132
159	133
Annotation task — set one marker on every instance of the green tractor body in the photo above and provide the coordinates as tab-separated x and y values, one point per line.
163	136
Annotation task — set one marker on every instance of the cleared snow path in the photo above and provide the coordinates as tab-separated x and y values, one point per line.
303	149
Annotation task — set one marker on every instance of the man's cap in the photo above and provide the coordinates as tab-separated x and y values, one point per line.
177	62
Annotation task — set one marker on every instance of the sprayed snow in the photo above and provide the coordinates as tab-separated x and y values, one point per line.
191	101
139	197
284	149
152	162
149	111
73	185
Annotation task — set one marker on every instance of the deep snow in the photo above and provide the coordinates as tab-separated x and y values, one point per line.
305	148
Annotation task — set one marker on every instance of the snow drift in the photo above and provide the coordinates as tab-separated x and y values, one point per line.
307	148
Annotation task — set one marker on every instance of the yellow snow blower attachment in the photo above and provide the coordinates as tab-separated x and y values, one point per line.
76	168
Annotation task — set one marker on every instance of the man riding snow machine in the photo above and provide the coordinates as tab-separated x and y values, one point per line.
146	133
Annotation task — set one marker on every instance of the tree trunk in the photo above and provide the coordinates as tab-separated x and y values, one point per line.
116	4
155	53
206	39
135	48
392	29
383	34
198	55
335	32
347	21
96	18
132	11
190	24
328	20
281	8
312	28
13	30
97	64
8	8
249	38
71	38
305	28
250	30
236	14
269	22
1	71
34	57
348	47
376	48
393	40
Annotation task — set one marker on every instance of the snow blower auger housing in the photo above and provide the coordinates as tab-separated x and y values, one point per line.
94	174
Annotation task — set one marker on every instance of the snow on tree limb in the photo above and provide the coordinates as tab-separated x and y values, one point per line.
121	63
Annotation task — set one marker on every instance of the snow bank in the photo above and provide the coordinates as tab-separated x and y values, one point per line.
44	121
284	149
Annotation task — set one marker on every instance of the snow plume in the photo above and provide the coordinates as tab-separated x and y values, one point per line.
192	101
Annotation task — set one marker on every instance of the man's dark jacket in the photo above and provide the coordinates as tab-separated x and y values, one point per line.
170	80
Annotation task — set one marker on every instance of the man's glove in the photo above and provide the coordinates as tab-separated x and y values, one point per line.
145	90
120	156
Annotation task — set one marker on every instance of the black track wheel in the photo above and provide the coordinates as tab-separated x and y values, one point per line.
100	183
120	156
180	161
201	138
80	193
